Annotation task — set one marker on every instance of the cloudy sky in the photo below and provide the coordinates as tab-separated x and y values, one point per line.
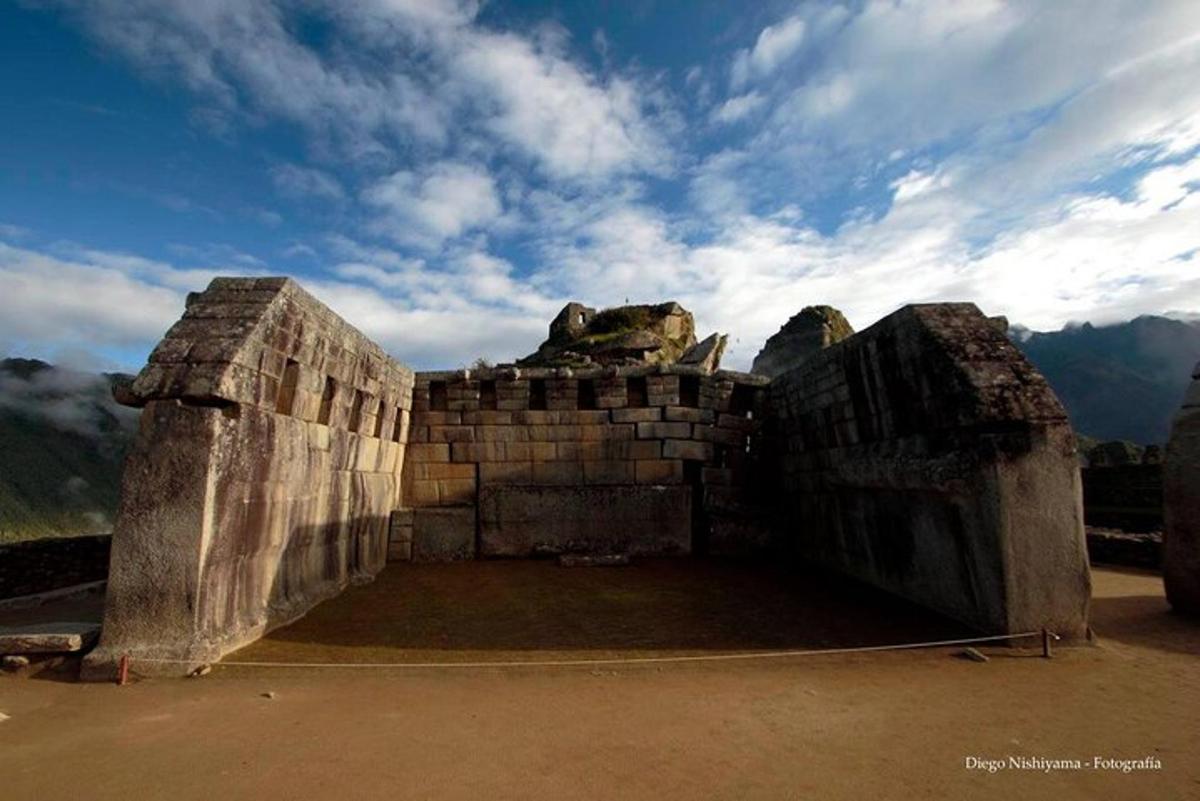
447	174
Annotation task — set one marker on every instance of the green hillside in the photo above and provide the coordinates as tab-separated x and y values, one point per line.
62	442
1118	382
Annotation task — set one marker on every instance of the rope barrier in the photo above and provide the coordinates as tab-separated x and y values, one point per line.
638	660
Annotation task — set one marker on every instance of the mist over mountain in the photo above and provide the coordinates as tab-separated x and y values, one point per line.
1118	382
62	442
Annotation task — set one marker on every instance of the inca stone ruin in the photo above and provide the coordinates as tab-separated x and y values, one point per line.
283	456
1181	508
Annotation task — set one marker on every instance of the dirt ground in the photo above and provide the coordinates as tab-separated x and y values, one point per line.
877	725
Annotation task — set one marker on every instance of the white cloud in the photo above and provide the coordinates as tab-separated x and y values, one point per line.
407	74
100	299
735	108
775	45
541	103
442	202
296	181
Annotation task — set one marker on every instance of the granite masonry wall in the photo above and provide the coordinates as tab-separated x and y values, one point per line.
37	566
261	481
283	456
640	460
1181	493
926	456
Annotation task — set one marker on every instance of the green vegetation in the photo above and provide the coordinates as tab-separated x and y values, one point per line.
62	443
620	320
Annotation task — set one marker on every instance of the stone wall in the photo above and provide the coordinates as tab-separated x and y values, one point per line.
37	566
925	456
1181	492
665	456
267	464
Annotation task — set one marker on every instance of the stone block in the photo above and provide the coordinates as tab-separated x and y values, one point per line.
508	433
688	414
557	473
429	452
646	415
488	418
445	534
422	492
658	471
523	521
664	430
607	432
506	473
687	449
451	434
608	471
442	470
48	638
456	491
641	449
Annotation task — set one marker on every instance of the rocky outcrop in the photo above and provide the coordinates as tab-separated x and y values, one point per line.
664	333
1181	507
809	332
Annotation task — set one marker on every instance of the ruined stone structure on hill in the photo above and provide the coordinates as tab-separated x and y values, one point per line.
1181	495
810	331
283	456
625	335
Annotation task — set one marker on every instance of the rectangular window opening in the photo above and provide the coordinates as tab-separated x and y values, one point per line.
742	401
327	398
379	419
636	394
286	398
537	394
689	390
587	394
487	396
437	396
356	410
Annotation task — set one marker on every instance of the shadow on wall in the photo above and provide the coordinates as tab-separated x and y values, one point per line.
655	605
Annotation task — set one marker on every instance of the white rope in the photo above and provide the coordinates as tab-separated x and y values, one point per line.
638	660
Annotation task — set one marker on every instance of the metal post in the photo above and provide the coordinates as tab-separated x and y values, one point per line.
1046	651
123	671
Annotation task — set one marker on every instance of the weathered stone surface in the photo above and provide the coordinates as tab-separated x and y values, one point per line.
48	638
807	333
661	334
525	520
262	479
1181	495
444	534
594	560
926	456
706	353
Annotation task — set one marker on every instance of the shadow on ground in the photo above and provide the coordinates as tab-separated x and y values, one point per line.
499	609
1123	611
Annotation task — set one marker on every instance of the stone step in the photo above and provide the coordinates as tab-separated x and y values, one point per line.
48	638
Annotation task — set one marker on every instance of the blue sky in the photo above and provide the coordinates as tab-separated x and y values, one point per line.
447	174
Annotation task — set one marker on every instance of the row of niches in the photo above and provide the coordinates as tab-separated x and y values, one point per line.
564	394
366	415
